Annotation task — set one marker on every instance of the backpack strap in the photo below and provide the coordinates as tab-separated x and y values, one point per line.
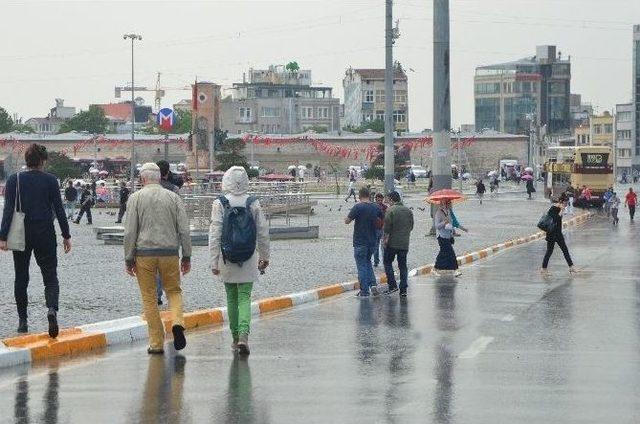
224	201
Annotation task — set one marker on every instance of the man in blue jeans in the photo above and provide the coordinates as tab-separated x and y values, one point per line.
365	214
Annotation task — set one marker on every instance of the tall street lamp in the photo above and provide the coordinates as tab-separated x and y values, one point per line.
132	37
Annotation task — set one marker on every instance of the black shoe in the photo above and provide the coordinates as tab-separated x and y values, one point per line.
403	293
391	290
23	327
118	222
52	317
89	223
76	222
152	351
179	342
362	294
159	301
376	264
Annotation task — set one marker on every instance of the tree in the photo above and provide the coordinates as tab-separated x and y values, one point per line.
183	122
292	67
22	128
6	123
376	126
401	158
62	167
93	121
231	153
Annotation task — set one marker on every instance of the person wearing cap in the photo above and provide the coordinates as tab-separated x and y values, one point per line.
156	229
398	224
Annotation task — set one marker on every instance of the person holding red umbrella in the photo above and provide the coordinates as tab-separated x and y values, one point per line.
446	261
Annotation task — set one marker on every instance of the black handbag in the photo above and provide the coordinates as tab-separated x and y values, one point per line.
546	223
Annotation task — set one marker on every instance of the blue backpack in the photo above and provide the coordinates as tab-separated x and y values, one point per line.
239	233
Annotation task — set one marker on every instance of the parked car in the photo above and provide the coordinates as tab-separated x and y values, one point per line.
419	171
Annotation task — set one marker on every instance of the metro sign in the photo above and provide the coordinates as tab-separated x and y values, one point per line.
166	119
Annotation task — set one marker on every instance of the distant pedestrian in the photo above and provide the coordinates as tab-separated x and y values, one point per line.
365	214
239	249
36	194
605	197
70	199
87	200
554	234
614	205
398	224
156	229
571	196
124	197
530	188
379	197
630	201
446	261
351	192
480	190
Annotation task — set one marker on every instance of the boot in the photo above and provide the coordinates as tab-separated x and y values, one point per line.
52	317
179	342
23	327
243	344
234	344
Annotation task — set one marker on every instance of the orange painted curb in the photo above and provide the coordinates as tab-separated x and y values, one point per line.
29	339
329	291
275	304
202	318
74	343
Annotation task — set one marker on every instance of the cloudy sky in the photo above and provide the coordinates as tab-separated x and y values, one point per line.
75	51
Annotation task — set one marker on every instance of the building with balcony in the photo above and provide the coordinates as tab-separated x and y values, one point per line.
279	101
601	129
364	97
509	95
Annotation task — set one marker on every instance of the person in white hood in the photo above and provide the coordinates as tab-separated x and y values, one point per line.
238	279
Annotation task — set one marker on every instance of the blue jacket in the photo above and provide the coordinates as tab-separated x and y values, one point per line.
39	200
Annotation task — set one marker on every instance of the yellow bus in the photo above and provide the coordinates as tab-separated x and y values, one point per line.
590	166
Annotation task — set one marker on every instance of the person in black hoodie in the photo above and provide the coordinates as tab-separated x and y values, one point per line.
124	196
555	234
39	199
86	202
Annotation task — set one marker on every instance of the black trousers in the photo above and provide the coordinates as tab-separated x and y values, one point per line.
84	209
632	211
563	246
389	255
123	209
40	238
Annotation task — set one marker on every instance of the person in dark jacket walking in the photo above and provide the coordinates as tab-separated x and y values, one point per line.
480	189
555	234
124	196
398	224
530	188
86	203
70	199
39	195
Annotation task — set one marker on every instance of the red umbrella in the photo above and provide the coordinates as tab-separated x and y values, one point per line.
445	194
527	177
276	177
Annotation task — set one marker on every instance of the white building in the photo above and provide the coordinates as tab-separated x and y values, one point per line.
624	123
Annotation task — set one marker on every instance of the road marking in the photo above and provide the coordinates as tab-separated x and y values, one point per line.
507	318
477	347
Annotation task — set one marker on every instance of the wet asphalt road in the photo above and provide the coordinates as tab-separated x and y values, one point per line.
94	286
501	344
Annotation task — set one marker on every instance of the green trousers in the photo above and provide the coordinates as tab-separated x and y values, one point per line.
239	307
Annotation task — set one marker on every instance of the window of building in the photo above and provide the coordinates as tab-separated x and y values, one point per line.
272	93
380	114
608	128
597	129
557	88
270	112
400	96
368	96
323	113
624	116
367	117
380	97
307	112
623	134
489	88
245	114
399	117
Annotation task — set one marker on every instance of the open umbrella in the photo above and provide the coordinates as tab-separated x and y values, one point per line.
445	194
526	177
103	173
93	171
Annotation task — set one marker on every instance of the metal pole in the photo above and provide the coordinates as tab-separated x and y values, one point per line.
166	147
441	97
133	121
459	163
389	159
212	147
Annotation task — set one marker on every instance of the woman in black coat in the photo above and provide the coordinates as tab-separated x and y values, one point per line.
554	235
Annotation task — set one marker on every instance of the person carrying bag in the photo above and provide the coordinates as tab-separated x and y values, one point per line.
15	237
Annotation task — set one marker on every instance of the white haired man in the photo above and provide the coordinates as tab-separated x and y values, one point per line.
155	230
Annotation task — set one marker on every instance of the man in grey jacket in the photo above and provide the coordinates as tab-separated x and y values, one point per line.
155	230
398	224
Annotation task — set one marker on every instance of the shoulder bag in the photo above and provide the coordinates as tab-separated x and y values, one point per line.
16	238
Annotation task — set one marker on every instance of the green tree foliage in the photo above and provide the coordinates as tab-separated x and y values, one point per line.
22	128
62	167
292	67
93	121
231	153
319	129
6	123
376	126
401	158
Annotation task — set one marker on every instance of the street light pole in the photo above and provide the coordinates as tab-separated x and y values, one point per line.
133	38
389	159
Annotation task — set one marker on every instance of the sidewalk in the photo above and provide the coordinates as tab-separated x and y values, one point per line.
502	344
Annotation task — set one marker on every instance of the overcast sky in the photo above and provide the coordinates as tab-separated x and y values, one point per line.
75	50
